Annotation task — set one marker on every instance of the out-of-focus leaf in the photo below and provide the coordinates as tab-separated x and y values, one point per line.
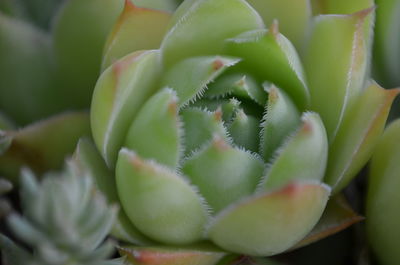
383	208
44	145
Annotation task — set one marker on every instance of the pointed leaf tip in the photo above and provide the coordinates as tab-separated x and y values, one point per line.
270	223
161	204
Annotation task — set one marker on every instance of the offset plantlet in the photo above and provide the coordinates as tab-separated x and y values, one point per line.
65	221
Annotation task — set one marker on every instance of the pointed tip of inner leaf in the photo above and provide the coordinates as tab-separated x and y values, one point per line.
218	114
274	28
362	14
219	143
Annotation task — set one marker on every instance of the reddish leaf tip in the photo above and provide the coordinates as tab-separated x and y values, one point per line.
220	143
274	28
129	5
362	14
218	114
217	64
273	94
173	107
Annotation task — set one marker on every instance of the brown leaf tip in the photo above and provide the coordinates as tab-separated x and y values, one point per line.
362	14
217	64
273	94
129	6
218	114
274	28
173	107
136	161
219	143
307	127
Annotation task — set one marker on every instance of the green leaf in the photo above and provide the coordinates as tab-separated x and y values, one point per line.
158	201
362	126
44	145
119	94
306	149
337	216
293	15
387	42
280	119
270	56
340	6
171	256
155	133
190	33
200	126
238	85
222	173
136	29
270	223
338	52
26	72
80	31
90	160
191	76
383	211
245	131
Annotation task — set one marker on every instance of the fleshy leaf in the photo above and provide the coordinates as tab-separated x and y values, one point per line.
337	216
80	31
383	211
307	150
191	76
387	42
155	132
293	15
337	52
270	223
26	72
136	29
222	173
158	202
200	126
269	55
280	119
238	85
43	146
340	6
118	96
87	157
356	138
193	31
245	130
171	256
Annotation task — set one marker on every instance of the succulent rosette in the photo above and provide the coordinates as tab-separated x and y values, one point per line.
233	121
